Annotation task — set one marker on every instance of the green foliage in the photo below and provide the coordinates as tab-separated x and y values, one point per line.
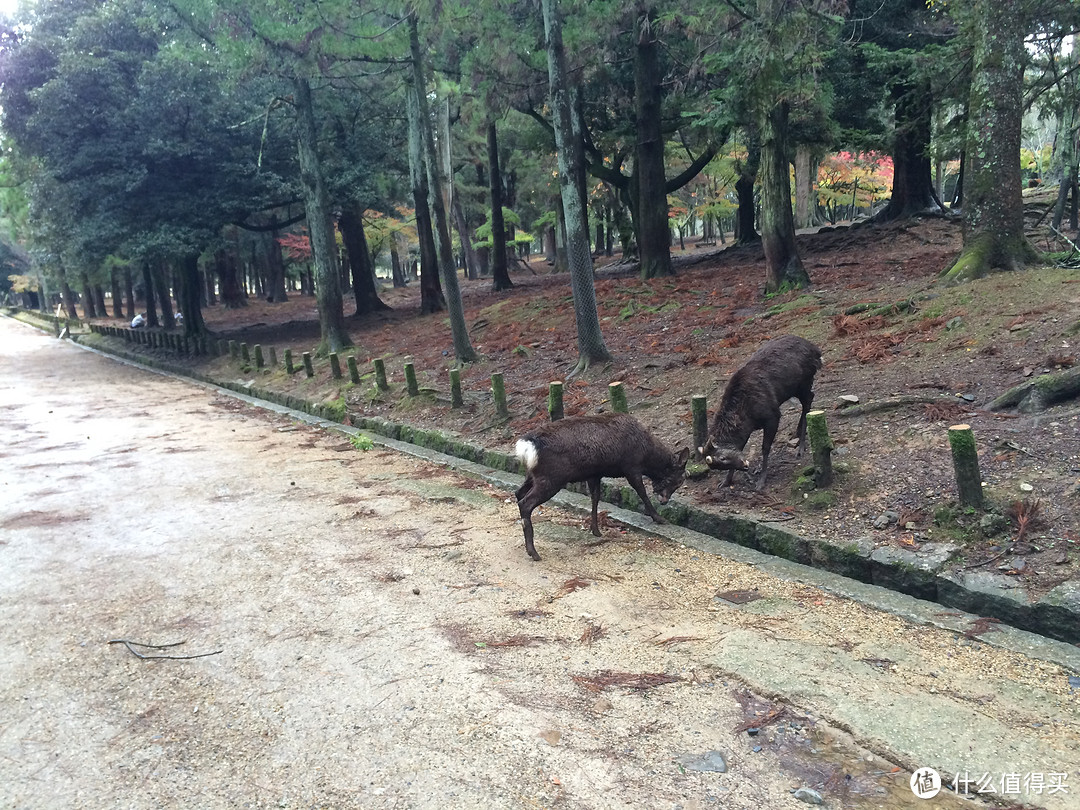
361	442
483	233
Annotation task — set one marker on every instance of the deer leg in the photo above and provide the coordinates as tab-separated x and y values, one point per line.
525	487
768	434
807	399
639	488
528	499
730	477
594	493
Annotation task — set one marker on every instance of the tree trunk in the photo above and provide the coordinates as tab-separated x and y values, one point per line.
654	236
549	245
804	187
117	303
396	270
463	349
232	293
913	184
211	296
1065	167
993	202
431	294
745	231
624	224
465	234
148	289
365	293
275	267
783	267
328	297
67	295
189	295
591	346
89	305
500	275
99	300
160	271
129	295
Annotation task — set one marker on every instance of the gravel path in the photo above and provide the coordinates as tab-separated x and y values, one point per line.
381	640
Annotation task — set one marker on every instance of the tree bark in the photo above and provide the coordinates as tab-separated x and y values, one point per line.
275	293
117	303
783	267
993	202
745	230
397	272
590	341
1065	167
500	274
67	295
89	305
189	295
913	183
328	296
465	234
805	176
148	288
431	294
232	294
129	294
654	235
365	293
99	299
160	271
463	349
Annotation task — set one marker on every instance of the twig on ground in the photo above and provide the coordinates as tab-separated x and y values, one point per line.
131	645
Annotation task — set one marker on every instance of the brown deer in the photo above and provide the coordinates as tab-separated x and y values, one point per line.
588	448
781	369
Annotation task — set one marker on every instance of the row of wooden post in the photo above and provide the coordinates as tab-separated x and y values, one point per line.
158	339
961	437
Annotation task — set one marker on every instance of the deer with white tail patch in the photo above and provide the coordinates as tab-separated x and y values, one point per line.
588	448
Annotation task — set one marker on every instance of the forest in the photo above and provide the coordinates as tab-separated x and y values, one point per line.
199	150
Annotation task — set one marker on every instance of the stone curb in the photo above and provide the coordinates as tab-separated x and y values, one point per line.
920	574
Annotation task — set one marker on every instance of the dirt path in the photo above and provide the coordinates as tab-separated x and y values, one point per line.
385	642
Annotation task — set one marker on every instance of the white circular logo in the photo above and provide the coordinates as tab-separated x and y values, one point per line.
926	783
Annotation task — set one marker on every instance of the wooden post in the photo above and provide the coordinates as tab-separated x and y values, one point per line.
410	380
335	366
380	374
288	362
555	401
354	372
234	350
258	356
617	394
498	388
309	369
455	388
222	348
821	447
699	414
245	353
966	466
273	357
